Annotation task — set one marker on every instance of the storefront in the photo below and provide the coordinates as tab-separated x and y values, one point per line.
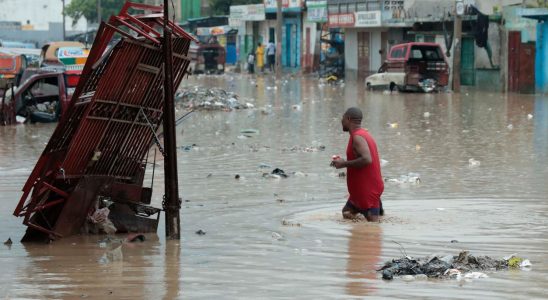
224	36
248	20
366	41
315	16
291	30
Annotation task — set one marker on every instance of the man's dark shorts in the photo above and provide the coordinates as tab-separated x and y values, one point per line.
365	212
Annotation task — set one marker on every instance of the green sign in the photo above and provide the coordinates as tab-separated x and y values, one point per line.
317	11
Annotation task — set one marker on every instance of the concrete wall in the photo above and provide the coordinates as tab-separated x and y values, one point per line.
350	50
514	22
314	43
39	37
375	56
40	13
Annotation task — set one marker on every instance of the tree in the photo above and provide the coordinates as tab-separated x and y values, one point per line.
88	9
222	7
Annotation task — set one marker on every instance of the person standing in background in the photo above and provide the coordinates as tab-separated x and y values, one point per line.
271	55
259	53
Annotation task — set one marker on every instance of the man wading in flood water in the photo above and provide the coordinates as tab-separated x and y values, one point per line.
364	180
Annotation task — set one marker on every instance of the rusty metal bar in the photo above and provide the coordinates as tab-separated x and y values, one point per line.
51	203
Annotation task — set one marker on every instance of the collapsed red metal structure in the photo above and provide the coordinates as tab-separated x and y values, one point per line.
99	148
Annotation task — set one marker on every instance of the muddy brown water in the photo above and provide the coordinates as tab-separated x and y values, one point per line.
497	208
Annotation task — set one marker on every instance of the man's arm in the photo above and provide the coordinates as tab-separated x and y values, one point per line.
361	148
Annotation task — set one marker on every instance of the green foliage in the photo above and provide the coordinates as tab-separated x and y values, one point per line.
222	7
88	9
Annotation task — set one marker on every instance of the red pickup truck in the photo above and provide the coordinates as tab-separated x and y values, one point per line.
412	67
43	96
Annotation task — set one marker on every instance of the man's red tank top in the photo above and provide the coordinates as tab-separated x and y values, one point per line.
365	184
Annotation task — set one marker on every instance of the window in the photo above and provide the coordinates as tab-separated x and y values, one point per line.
430	54
398	52
373	5
45	87
416	54
351	7
333	8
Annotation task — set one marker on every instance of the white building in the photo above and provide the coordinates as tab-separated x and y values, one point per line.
38	14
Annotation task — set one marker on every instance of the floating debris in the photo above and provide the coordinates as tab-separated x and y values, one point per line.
304	149
250	131
277	236
288	223
510	126
8	242
473	163
529	116
112	255
464	266
426	114
200	232
413	178
209	98
279	172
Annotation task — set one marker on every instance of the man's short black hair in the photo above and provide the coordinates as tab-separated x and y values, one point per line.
354	113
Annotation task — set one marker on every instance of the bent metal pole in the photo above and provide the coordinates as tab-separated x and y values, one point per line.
171	202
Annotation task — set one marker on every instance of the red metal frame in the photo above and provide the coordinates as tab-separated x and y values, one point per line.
109	126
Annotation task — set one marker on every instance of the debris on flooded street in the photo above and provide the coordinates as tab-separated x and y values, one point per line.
209	98
276	197
308	149
461	267
90	177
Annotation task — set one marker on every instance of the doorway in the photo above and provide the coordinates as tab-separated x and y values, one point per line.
364	61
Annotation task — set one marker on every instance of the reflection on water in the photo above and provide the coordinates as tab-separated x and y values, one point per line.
364	251
497	208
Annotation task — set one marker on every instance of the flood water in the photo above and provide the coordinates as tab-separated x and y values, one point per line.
497	208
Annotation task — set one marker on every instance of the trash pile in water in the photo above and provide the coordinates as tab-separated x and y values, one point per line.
203	98
462	267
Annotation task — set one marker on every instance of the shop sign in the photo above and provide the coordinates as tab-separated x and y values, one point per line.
240	13
367	19
287	5
341	20
316	11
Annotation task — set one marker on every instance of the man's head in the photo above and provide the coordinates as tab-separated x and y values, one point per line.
352	118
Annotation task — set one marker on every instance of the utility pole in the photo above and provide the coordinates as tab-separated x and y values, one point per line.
64	28
457	30
98	13
171	204
279	22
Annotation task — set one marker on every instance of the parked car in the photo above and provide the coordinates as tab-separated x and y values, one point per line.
412	67
13	61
